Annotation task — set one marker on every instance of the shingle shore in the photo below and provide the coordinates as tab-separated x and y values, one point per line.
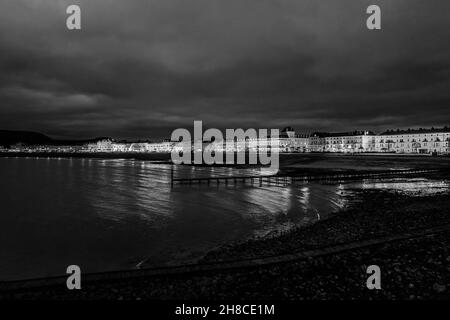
417	268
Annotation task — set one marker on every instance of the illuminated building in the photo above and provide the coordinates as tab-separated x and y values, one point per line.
420	141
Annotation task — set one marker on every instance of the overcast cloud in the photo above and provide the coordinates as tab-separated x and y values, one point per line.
143	68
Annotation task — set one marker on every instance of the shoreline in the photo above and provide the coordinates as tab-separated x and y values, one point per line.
373	213
288	162
121	155
87	155
378	214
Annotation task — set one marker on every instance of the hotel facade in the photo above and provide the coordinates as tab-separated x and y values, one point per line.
345	142
422	141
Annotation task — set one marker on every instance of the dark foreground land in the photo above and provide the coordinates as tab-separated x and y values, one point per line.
415	267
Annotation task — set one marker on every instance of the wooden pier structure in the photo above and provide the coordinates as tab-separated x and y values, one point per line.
283	180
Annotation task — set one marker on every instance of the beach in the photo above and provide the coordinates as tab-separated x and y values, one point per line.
414	267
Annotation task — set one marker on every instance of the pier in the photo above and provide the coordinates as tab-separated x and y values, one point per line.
283	180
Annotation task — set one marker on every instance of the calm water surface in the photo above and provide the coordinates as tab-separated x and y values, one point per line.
115	214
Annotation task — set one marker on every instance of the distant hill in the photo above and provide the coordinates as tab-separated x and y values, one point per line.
9	138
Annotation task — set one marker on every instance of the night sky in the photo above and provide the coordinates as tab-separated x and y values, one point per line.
140	69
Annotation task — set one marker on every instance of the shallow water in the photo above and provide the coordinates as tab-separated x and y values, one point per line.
115	214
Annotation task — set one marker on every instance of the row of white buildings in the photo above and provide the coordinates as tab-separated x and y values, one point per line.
421	141
108	145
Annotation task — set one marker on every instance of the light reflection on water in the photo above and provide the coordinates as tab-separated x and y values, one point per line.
413	186
113	214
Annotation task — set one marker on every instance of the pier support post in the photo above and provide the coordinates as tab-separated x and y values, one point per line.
171	176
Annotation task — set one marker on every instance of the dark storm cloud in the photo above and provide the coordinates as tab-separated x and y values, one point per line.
143	68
